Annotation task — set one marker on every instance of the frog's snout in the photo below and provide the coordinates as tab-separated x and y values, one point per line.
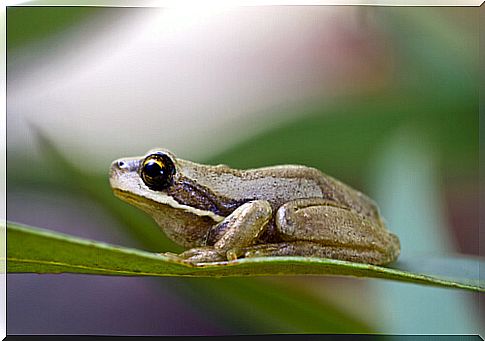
115	171
122	166
117	168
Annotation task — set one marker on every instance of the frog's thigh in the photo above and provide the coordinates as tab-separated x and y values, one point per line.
340	231
240	229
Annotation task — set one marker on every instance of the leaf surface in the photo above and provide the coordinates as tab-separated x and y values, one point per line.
40	251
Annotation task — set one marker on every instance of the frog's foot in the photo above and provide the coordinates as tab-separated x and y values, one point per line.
312	249
202	255
173	256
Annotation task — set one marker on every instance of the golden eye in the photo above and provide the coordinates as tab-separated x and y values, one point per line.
157	171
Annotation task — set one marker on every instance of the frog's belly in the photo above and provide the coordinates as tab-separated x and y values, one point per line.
186	229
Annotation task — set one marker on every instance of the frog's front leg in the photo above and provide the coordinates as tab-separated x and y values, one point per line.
320	228
227	239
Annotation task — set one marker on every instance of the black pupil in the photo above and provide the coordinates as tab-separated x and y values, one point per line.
153	169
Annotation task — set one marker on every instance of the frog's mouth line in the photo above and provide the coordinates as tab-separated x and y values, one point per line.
149	205
134	200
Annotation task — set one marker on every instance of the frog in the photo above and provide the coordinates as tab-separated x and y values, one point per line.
222	214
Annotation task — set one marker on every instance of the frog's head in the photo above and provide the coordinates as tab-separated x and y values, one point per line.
154	171
154	181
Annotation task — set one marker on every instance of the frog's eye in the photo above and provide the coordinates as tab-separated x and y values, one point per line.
157	171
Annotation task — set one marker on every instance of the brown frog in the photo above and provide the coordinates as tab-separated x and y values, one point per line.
223	214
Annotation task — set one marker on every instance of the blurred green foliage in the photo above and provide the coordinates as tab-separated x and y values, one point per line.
434	91
341	139
30	24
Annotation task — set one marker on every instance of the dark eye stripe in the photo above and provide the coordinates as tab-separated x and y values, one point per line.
186	191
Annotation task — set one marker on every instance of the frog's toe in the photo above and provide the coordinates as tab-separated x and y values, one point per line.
202	255
172	256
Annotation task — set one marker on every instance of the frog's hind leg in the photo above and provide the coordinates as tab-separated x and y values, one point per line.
321	228
311	249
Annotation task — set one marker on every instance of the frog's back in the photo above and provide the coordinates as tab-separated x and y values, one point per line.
307	182
279	185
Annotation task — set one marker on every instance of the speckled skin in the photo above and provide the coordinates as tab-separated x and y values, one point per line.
224	213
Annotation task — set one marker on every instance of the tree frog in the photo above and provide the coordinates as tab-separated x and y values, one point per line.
222	214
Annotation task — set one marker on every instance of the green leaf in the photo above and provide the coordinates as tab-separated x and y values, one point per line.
36	250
